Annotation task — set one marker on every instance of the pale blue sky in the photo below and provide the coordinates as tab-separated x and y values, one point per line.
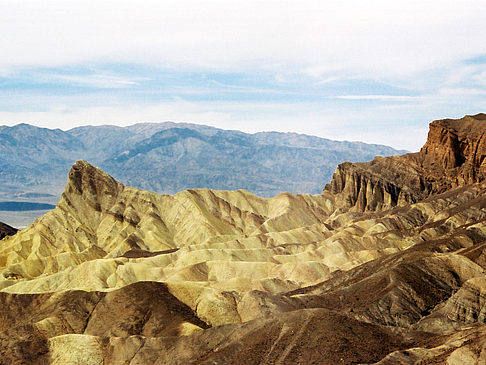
375	71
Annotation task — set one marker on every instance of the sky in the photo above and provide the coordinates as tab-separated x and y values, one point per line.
372	71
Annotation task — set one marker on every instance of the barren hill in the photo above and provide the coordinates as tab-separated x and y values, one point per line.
386	266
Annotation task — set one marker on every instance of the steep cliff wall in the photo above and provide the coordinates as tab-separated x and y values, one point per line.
455	152
453	156
358	186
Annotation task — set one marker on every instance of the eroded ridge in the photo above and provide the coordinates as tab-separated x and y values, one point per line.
453	156
386	266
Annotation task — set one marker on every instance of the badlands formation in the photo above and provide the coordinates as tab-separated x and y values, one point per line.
386	266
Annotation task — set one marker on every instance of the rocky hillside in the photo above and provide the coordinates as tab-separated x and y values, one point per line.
453	156
118	275
170	157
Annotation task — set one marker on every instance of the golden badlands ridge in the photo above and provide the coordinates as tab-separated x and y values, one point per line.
386	266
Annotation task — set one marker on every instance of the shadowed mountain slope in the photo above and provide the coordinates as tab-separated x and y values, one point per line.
31	156
6	230
118	275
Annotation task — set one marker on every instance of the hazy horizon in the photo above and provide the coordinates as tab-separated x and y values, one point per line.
67	129
371	71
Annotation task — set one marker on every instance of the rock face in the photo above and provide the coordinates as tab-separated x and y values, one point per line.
391	269
6	230
455	152
376	185
453	156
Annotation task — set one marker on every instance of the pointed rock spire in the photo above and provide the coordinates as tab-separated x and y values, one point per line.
94	186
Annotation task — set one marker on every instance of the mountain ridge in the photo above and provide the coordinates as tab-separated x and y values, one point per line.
52	152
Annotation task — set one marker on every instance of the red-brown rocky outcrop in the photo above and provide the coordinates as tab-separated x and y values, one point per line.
453	156
455	151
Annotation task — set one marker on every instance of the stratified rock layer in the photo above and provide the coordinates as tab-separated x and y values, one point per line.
453	156
389	269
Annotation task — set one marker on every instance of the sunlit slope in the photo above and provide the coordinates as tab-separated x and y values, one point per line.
429	266
204	243
220	236
386	266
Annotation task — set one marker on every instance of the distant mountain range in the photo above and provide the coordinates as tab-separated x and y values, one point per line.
170	157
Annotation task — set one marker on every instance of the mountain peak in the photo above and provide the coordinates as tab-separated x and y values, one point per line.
112	273
458	144
93	185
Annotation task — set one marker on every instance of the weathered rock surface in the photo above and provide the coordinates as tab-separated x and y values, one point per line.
391	269
453	156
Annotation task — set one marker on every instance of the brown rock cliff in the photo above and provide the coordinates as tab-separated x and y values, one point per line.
455	152
453	156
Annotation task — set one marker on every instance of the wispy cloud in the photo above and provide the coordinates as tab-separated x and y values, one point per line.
340	69
462	91
69	76
99	81
375	37
377	97
480	77
327	80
